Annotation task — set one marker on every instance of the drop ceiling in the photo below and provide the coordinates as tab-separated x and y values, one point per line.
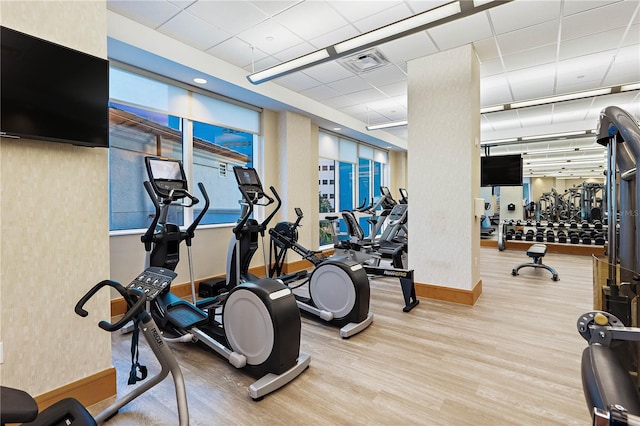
527	49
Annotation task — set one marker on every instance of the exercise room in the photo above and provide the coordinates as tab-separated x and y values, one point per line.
205	214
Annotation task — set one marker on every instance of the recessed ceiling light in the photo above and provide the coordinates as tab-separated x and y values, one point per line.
200	80
337	128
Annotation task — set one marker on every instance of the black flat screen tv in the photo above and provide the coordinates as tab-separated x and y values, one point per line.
51	92
501	170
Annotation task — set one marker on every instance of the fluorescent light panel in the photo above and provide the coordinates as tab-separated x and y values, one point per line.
289	66
556	135
560	98
392	30
387	125
628	87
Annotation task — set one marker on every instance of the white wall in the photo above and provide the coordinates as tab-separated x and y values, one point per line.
511	195
54	227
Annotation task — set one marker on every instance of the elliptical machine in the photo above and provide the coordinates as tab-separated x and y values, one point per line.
338	289
19	407
255	325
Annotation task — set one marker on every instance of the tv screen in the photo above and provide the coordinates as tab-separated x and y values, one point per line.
501	170
51	92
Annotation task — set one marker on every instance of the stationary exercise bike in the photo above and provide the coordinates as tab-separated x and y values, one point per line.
338	290
19	407
255	325
338	287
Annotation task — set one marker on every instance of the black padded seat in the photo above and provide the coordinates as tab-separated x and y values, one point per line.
536	252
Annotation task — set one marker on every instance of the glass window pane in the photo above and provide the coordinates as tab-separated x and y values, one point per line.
215	151
327	186
135	133
346	185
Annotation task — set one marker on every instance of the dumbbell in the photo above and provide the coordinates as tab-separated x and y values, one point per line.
599	240
550	237
562	237
597	224
529	235
573	225
586	239
561	225
518	235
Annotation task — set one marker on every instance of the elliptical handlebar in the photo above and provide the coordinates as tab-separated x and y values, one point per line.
254	201
135	301
147	237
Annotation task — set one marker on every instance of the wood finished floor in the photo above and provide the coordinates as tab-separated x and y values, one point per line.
512	359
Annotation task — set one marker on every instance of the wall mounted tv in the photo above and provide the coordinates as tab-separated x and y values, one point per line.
51	92
501	170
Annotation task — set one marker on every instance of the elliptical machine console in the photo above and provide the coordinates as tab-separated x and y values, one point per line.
255	325
338	288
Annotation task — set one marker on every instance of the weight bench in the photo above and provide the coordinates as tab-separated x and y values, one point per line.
537	252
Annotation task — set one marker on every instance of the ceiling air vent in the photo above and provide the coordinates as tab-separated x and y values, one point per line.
365	61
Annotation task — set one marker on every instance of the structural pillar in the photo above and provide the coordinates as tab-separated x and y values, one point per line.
444	174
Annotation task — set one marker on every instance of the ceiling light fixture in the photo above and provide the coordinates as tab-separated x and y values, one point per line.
446	13
556	135
387	125
289	66
561	98
495	108
398	29
199	80
628	87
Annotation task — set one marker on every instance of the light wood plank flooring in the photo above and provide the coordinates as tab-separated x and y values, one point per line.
512	359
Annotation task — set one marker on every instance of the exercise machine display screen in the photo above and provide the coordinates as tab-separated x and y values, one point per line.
166	175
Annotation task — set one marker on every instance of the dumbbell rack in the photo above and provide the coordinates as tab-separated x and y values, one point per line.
561	233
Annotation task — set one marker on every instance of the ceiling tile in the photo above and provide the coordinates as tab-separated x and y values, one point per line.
424	5
461	31
333	37
633	36
349	85
237	52
529	37
297	81
320	93
590	67
571	7
230	16
365	96
521	14
395	89
388	16
354	10
384	75
407	48
540	55
182	4
272	8
625	68
294	51
491	67
339	101
324	19
606	40
140	11
494	90
270	37
534	82
193	31
593	20
486	49
328	72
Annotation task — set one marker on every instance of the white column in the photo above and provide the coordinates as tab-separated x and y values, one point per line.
444	174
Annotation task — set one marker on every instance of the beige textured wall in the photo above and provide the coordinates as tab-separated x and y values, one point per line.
297	166
398	173
444	167
54	228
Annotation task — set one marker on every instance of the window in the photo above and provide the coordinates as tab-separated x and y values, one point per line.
149	117
361	170
135	133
